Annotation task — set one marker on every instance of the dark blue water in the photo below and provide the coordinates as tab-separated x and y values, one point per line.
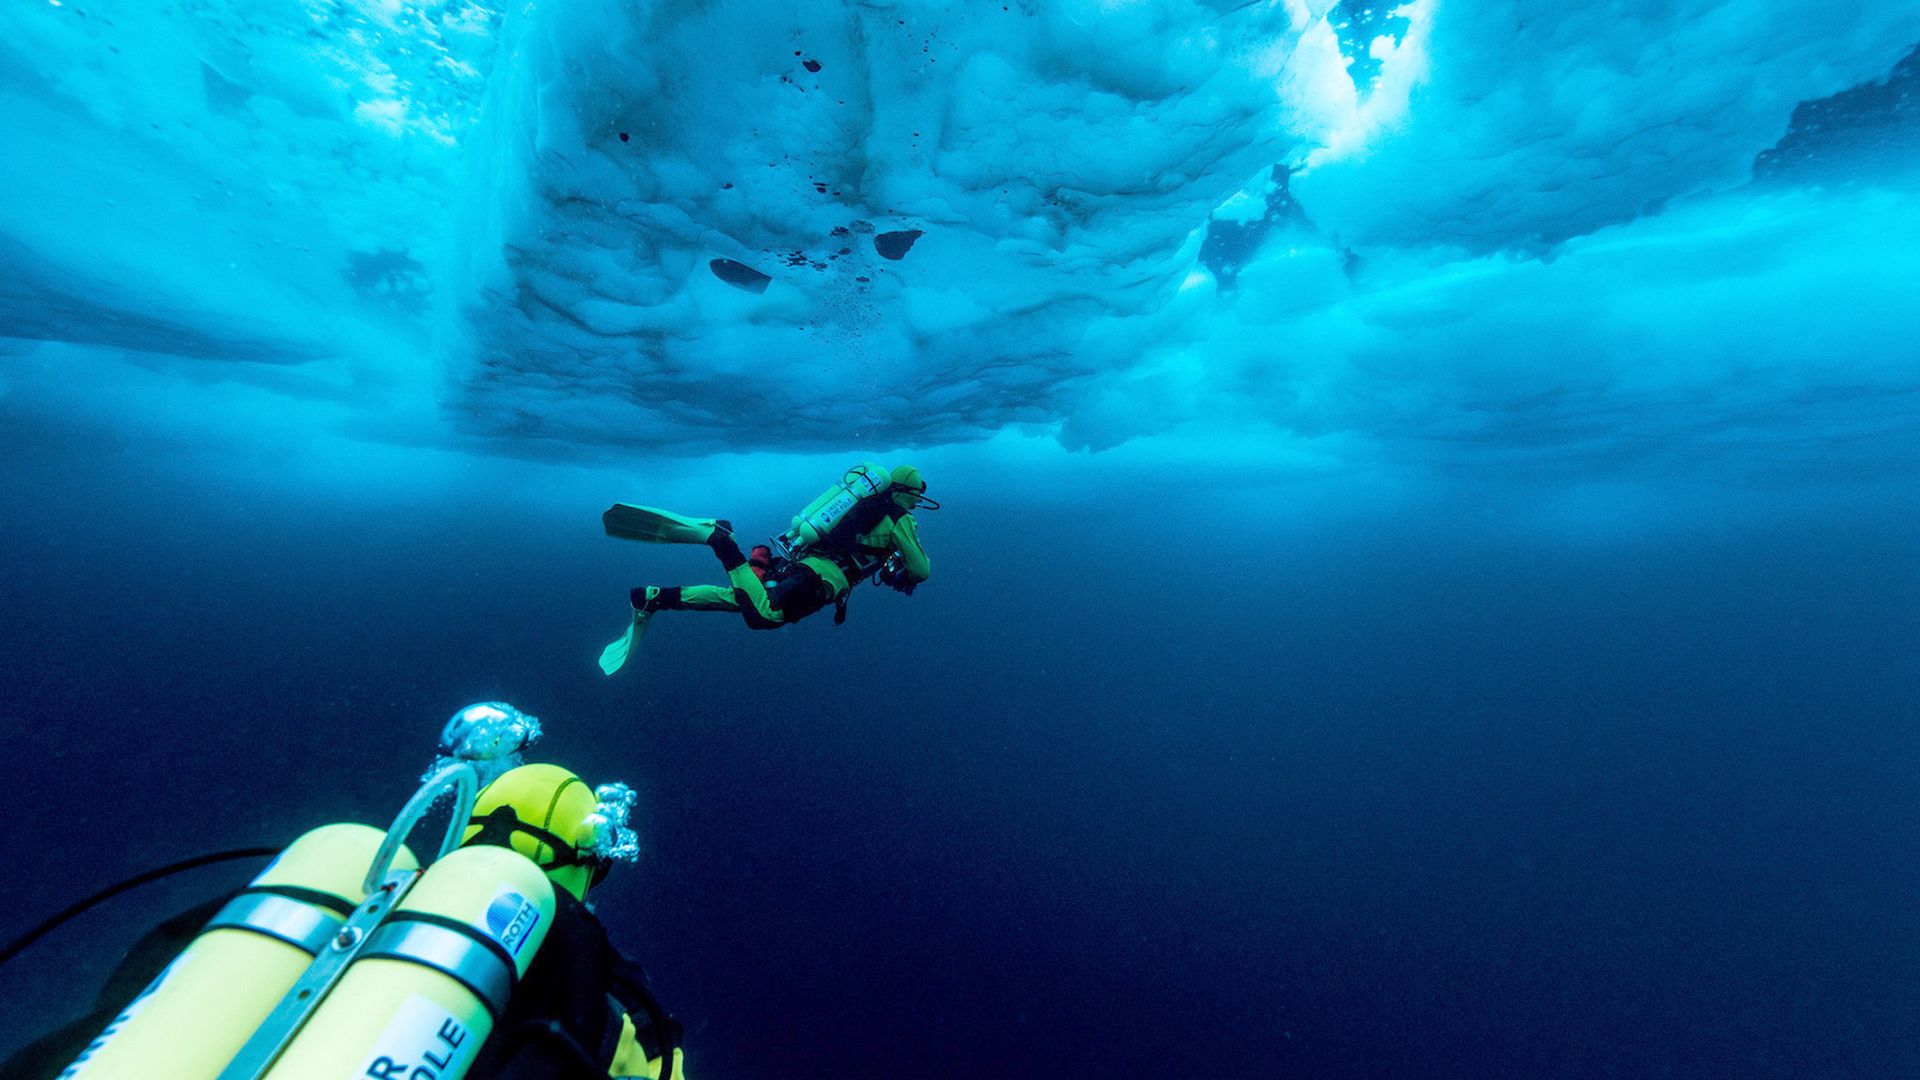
1125	791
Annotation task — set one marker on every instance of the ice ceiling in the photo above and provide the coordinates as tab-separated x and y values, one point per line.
1472	231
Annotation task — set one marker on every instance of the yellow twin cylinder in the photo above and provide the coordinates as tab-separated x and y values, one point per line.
833	504
415	1003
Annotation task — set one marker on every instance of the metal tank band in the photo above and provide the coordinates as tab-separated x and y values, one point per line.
348	941
296	922
452	948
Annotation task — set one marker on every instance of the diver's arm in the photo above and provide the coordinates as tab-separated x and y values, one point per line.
648	1035
632	1062
906	537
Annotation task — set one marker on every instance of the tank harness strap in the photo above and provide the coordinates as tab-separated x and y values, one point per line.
499	825
452	947
336	904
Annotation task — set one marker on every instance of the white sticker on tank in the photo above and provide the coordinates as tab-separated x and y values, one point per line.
423	1041
511	918
121	1021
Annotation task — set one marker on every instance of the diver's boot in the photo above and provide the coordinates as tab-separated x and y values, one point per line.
724	546
654	598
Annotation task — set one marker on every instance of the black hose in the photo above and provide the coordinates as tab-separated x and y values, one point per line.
14	947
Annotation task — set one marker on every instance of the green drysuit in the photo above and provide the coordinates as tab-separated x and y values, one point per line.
820	580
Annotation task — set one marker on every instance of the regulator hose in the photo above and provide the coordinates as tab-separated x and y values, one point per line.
13	948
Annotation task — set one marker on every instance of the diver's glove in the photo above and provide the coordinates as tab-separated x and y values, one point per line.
894	575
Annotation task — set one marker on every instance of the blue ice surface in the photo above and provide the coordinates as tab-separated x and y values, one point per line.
1426	586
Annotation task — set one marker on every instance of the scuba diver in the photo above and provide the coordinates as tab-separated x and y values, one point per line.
345	958
583	1007
860	528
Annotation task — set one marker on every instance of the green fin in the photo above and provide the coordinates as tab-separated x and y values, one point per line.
651	526
615	656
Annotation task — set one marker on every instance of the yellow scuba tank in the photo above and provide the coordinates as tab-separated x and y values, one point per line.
191	1020
342	960
434	975
834	504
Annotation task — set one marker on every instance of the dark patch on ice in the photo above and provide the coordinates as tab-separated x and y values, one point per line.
1229	244
1357	23
624	136
811	65
1872	129
224	95
895	245
392	278
739	275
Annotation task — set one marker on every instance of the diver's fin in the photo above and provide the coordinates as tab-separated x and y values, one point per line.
615	656
651	526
